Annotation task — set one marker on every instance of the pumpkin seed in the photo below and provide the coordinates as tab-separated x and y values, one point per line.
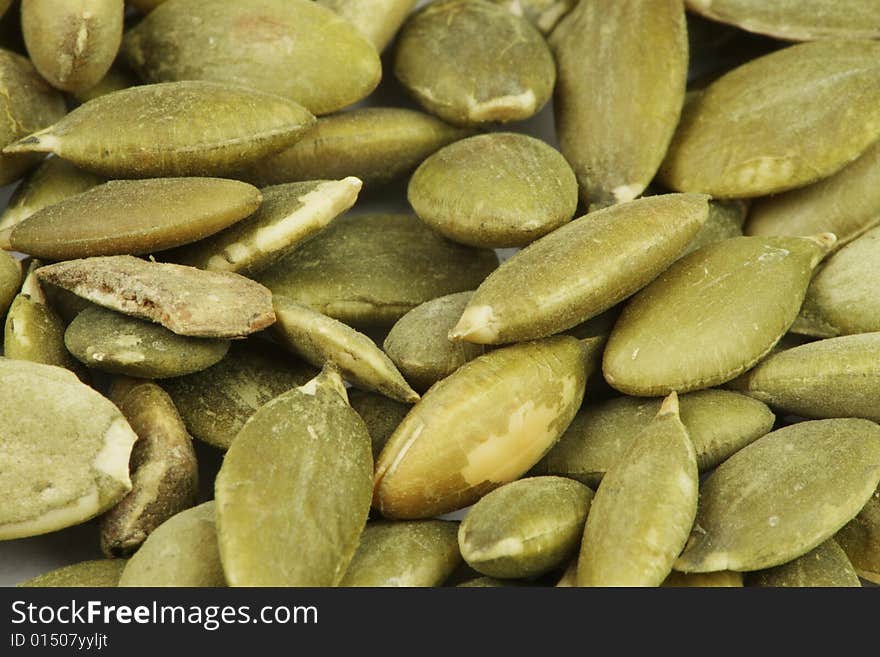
500	189
860	539
10	280
486	582
722	578
472	62
543	14
93	574
378	20
581	269
725	220
380	414
826	565
116	79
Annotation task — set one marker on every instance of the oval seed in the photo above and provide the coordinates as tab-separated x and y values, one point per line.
291	48
293	493
500	189
289	215
481	427
370	270
165	473
380	414
609	54
860	539
723	578
525	528
182	551
93	574
783	495
543	14
173	129
644	508
472	62
413	553
132	217
581	269
72	44
71	450
738	139
712	315
378	20
826	565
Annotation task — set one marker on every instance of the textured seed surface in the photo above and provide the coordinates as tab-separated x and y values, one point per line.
472	62
481	427
381	415
779	122
609	54
783	495
175	129
10	280
644	508
116	79
164	475
292	48
289	215
712	315
725	220
543	14
370	270
133	217
860	539
185	300
98	573
500	189
69	451
581	269
719	423
525	528
410	553
72	43
293	493
824	566
722	578
378	20
419	345
182	551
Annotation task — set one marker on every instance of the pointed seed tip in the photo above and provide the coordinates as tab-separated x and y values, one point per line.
669	405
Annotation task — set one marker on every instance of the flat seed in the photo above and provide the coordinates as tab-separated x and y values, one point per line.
319	339
173	129
499	190
860	539
132	217
607	55
712	315
185	300
723	578
93	574
543	14
381	415
783	495
70	450
644	508
216	402
581	269
838	377
182	551
293	493
824	566
481	427
412	553
796	20
419	346
472	62
257	44
164	469
72	44
719	423
525	528
738	138
370	270
378	20
289	215
10	280
725	220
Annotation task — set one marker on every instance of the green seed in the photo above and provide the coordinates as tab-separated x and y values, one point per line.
501	189
644	508
93	574
581	269
719	423
182	551
723	578
380	414
712	315
725	220
293	493
132	217
543	14
116	79
414	553
738	139
10	280
291	48
185	300
607	55
860	539
826	565
481	427
290	214
378	20
525	528
472	62
370	270
70	449
173	129
783	495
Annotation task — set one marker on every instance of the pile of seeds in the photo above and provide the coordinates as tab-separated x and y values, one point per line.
673	380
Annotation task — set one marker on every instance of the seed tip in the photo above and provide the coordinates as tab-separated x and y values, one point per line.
669	405
6	239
